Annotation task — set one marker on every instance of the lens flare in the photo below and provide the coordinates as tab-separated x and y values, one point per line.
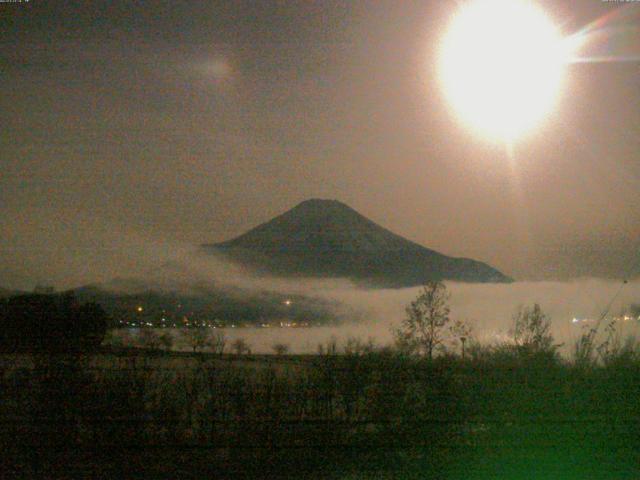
613	37
501	66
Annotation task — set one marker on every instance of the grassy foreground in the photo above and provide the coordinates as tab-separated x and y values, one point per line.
140	414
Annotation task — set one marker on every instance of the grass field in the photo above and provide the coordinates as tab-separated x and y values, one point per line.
376	415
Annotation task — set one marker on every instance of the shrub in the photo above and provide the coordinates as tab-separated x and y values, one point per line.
356	347
531	332
280	349
166	340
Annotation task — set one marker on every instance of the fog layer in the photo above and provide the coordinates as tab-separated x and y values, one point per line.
165	265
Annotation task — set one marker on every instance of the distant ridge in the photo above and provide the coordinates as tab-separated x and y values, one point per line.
326	238
6	292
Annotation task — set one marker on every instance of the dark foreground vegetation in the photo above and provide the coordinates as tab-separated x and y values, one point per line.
512	411
50	323
371	415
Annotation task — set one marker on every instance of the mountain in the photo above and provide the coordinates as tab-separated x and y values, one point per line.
326	238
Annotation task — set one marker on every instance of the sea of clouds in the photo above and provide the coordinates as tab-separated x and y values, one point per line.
489	308
162	264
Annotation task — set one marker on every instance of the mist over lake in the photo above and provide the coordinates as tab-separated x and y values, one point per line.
572	306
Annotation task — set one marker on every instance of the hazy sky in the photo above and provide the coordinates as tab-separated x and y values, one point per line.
190	122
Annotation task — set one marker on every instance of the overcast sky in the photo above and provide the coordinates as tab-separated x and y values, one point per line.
190	122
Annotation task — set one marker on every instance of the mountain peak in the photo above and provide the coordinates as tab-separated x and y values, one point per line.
323	205
321	202
327	238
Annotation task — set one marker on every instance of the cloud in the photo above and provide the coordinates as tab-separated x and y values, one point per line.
98	252
488	307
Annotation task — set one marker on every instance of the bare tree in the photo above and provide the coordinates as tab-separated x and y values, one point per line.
218	342
330	348
149	339
196	338
423	329
240	346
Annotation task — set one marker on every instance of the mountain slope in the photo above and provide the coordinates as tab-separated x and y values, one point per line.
326	238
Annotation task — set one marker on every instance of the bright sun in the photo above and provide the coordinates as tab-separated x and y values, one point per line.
501	65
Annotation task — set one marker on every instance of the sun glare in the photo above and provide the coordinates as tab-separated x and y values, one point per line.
501	66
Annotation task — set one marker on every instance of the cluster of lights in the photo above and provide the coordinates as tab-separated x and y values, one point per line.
203	324
187	322
287	324
579	320
622	318
126	323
